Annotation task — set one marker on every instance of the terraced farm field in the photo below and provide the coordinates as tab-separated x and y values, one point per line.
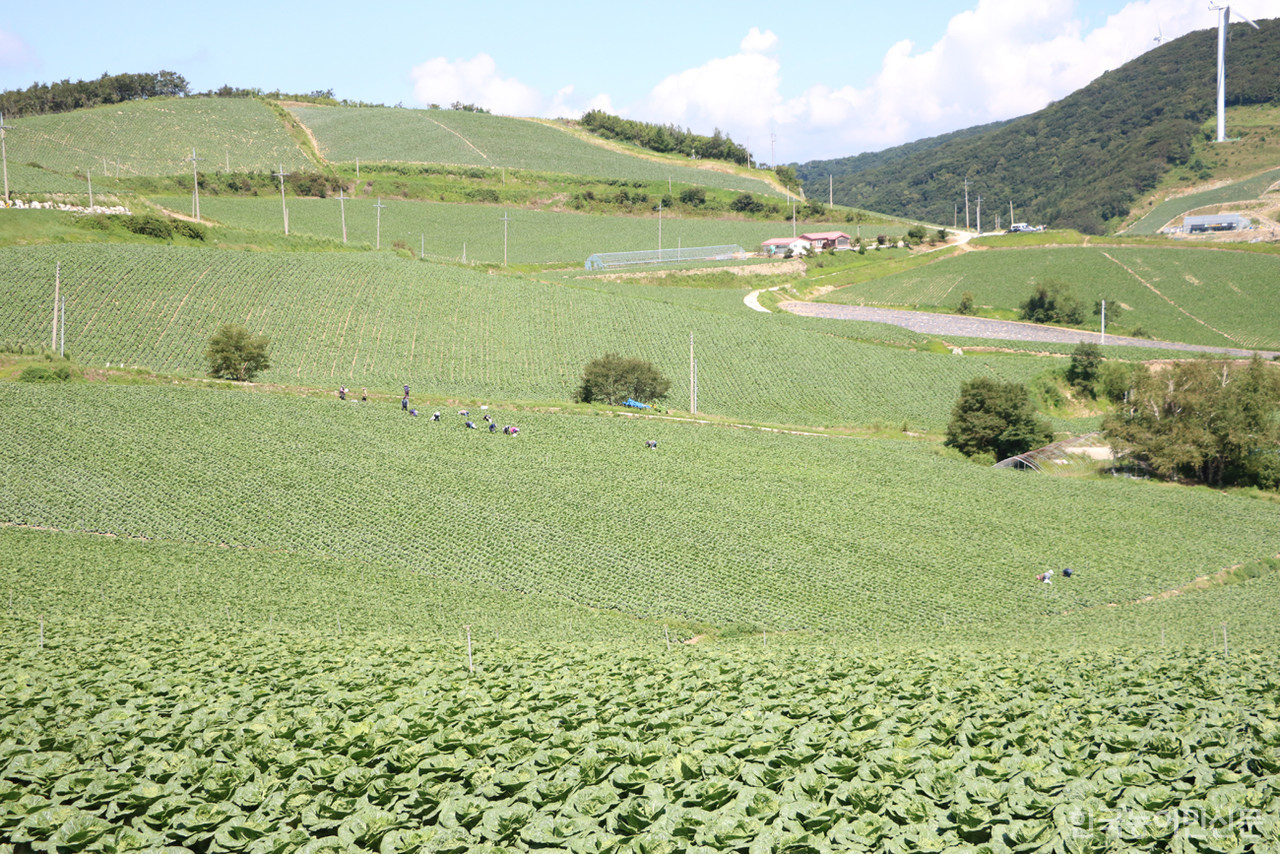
1238	191
842	535
390	135
155	137
376	320
533	237
1214	297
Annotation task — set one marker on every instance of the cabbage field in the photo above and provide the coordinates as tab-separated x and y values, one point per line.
856	537
366	319
154	137
1197	296
135	737
458	137
442	230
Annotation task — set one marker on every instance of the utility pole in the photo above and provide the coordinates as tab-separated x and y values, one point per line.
1011	213
284	209
62	329
1104	321
342	206
773	141
4	157
88	174
195	185
979	214
659	229
966	204
955	217
831	191
379	206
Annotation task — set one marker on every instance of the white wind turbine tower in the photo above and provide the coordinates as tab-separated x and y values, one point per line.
1159	39
1224	20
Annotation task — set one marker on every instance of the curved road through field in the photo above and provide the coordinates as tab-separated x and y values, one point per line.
1006	330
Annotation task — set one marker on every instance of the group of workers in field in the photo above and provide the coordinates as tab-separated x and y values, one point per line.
509	430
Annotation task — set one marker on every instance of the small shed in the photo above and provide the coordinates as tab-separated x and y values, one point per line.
1215	222
822	240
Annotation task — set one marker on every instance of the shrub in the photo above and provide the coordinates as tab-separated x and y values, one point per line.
746	203
966	302
191	230
1051	302
613	379
694	196
995	417
1083	372
41	374
149	225
235	354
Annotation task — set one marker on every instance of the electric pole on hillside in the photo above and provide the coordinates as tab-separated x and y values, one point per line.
966	204
773	141
195	185
379	206
831	191
979	214
4	157
1011	213
284	208
659	230
506	218
88	174
342	207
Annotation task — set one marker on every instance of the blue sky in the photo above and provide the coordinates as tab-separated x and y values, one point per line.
860	77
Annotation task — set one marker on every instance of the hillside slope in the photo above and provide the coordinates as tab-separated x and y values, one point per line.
1080	162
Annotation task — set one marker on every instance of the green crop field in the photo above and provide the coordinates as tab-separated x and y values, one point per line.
533	237
389	135
376	320
268	742
269	651
1237	191
155	138
1198	296
810	532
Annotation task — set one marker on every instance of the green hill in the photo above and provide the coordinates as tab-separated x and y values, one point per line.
1080	162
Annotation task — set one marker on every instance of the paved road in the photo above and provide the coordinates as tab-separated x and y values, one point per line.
981	327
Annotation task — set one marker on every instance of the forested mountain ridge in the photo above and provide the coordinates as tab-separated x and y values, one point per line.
1080	162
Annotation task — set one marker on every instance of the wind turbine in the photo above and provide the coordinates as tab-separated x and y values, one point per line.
1159	39
1224	21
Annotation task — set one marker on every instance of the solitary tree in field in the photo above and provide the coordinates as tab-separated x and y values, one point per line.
612	379
235	354
996	418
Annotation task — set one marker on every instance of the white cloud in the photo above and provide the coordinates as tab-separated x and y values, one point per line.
474	81
758	42
998	60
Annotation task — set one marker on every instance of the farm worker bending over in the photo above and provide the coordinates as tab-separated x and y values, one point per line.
342	392
404	403
436	416
470	426
651	443
493	427
364	395
413	412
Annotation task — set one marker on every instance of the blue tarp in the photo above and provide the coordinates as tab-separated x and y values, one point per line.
635	404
